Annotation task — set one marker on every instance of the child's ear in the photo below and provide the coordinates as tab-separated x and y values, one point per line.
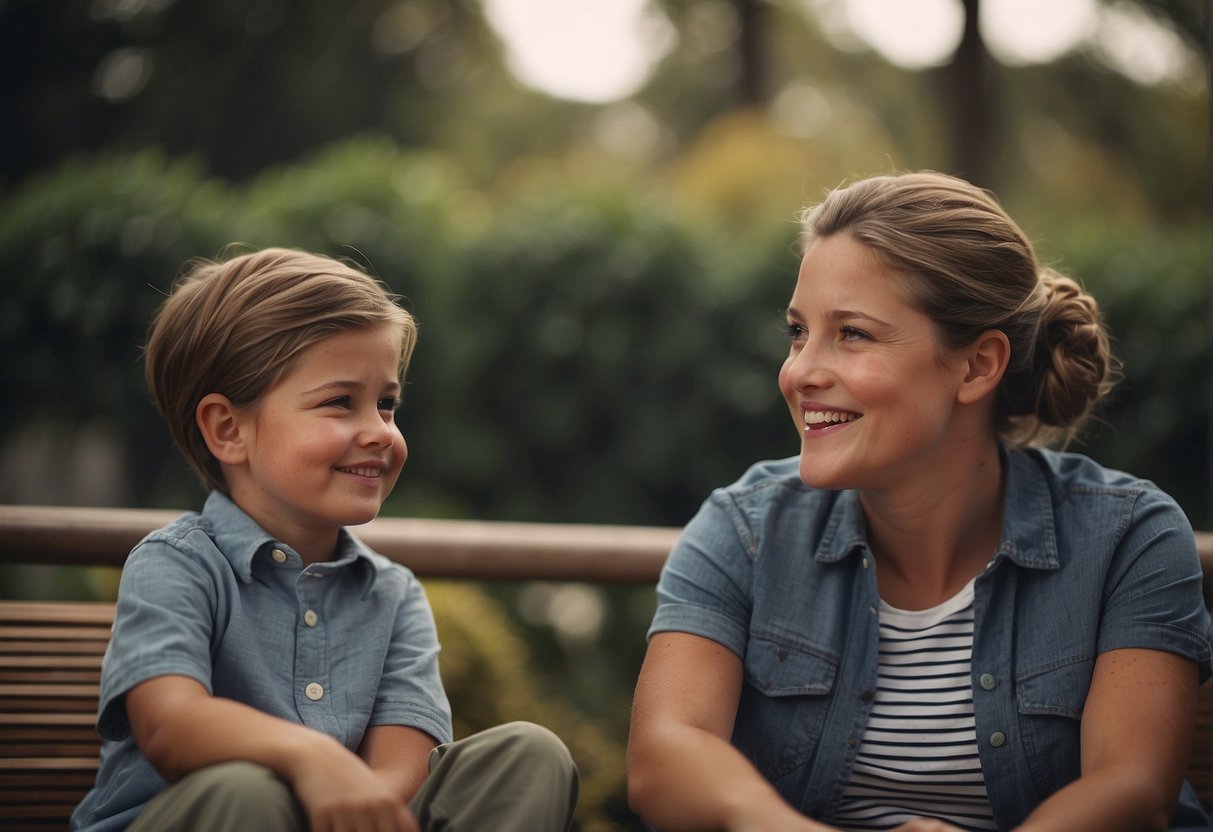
987	360
220	423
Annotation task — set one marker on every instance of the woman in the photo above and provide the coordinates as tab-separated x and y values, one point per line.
926	621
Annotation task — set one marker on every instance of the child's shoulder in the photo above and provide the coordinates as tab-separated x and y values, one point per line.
189	538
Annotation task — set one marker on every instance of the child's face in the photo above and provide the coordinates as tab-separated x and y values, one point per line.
323	449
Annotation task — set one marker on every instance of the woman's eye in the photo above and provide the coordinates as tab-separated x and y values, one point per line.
795	331
850	333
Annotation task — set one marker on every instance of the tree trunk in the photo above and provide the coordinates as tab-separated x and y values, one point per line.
968	85
752	72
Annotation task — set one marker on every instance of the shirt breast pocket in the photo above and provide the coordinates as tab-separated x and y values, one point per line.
1050	704
783	704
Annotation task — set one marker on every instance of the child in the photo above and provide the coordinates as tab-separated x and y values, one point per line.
267	671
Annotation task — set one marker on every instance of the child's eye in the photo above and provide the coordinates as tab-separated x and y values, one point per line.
391	403
339	401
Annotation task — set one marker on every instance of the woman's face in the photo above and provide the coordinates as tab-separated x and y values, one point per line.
871	389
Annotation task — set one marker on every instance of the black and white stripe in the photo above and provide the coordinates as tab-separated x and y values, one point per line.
918	755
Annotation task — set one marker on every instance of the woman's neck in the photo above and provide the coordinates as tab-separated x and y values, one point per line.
928	542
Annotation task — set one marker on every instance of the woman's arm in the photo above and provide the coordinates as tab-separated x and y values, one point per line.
181	728
682	771
1136	737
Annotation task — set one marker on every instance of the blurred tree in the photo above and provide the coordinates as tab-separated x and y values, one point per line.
970	93
241	85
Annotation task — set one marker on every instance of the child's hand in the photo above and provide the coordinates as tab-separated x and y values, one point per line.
340	793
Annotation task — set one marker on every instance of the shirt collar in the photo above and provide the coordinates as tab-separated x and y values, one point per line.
1028	533
239	538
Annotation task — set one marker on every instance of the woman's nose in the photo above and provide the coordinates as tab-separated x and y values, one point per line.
808	367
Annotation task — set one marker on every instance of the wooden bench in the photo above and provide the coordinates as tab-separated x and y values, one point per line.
50	652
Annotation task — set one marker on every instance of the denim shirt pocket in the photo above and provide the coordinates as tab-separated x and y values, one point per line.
783	703
1050	703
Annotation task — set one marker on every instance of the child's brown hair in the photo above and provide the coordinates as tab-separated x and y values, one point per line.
233	327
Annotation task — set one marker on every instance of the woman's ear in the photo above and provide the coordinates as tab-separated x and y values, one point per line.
220	423
987	360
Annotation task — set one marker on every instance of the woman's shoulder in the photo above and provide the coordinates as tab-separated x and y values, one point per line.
1068	473
771	494
766	479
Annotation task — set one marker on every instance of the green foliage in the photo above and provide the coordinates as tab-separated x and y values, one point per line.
585	355
81	249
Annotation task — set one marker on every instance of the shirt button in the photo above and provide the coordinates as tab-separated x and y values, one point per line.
315	692
997	739
873	610
851	741
310	618
866	696
864	562
278	555
986	681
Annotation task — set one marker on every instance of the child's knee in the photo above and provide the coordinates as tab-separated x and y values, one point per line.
240	793
533	745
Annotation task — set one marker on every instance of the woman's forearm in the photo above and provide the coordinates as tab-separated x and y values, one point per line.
684	778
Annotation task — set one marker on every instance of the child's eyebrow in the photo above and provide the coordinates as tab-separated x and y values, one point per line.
341	386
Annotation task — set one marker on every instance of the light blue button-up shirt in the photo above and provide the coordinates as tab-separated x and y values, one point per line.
1090	560
337	646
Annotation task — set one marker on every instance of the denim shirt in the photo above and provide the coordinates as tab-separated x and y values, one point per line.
1089	560
337	646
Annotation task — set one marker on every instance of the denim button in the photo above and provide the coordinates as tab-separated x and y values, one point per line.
986	681
278	555
314	692
997	739
310	618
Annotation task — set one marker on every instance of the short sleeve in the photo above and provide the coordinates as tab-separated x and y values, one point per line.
704	588
163	625
410	688
1155	597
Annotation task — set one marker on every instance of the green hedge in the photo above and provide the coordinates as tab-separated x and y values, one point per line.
584	356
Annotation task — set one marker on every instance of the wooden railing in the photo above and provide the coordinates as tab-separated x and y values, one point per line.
431	548
475	550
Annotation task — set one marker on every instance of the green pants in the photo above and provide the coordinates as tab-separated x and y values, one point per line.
517	776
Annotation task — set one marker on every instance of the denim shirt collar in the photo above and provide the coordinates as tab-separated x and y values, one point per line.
240	539
1028	538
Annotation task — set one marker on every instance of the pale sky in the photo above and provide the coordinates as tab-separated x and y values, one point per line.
604	50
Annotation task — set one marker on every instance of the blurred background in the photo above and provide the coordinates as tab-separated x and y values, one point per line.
589	205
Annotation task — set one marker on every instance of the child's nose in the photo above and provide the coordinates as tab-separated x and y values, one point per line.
379	428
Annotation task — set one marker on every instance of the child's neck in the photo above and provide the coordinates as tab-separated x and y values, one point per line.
316	552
